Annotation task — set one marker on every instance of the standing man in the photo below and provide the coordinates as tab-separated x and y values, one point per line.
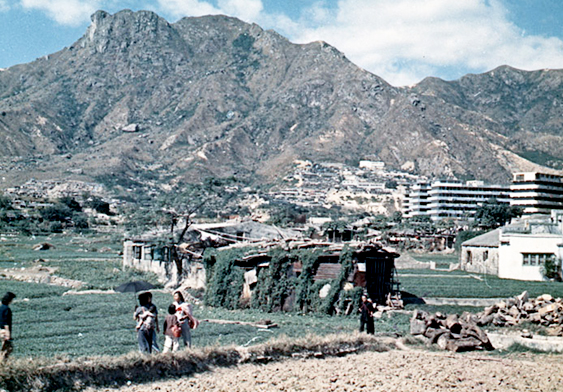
366	317
6	325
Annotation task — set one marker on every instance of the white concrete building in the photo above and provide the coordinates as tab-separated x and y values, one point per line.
452	199
372	165
516	251
416	200
537	193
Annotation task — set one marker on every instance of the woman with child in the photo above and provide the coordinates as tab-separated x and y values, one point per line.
146	317
185	318
177	324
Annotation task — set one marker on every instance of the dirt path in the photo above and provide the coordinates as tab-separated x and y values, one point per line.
39	274
396	370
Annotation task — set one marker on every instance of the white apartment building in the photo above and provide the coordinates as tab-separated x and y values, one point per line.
416	200
451	199
537	193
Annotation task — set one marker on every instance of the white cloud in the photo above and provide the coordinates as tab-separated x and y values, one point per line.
247	10
181	8
66	12
4	6
383	35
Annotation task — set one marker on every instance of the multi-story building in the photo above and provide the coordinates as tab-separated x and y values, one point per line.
416	200
537	193
452	199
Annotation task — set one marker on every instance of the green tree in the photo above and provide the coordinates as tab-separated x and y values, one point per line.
5	203
551	269
420	223
57	213
397	217
99	205
466	235
71	203
493	214
80	221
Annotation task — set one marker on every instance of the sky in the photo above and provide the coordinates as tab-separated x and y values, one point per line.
402	41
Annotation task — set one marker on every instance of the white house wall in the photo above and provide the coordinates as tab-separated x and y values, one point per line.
480	259
512	247
193	272
145	262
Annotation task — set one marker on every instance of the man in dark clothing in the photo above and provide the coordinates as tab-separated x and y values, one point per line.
366	317
6	325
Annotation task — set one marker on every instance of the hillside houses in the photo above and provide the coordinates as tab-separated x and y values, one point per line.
335	184
54	189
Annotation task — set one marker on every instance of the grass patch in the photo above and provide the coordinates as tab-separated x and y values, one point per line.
19	249
439	258
459	284
100	274
48	324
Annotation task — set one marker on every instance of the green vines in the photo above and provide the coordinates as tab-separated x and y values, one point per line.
346	260
278	287
224	279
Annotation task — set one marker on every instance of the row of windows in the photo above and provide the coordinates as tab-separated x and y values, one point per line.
536	258
151	253
536	190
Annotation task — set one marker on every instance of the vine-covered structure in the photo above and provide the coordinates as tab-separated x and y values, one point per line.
306	276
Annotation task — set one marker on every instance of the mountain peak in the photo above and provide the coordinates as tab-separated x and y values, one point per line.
124	28
215	96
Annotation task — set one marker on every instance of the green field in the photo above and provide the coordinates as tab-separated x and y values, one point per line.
48	323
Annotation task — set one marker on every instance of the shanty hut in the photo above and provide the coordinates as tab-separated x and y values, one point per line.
300	275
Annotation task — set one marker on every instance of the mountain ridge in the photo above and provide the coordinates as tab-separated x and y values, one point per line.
216	97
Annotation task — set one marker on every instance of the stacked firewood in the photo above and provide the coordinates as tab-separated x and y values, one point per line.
450	332
543	310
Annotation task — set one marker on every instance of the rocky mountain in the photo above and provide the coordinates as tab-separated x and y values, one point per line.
141	99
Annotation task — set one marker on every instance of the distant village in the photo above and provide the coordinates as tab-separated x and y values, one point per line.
516	250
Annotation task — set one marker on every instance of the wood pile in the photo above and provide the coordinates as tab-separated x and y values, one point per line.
543	310
450	332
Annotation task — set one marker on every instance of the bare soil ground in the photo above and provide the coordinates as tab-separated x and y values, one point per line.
396	370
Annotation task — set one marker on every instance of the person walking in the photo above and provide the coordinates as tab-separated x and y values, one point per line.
185	318
6	325
172	330
145	323
366	315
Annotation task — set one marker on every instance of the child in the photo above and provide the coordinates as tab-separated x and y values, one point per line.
145	319
172	330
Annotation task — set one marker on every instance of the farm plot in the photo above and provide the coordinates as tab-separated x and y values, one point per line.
459	284
46	323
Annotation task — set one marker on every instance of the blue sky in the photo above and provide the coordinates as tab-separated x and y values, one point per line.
402	41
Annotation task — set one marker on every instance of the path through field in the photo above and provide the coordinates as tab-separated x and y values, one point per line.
397	370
